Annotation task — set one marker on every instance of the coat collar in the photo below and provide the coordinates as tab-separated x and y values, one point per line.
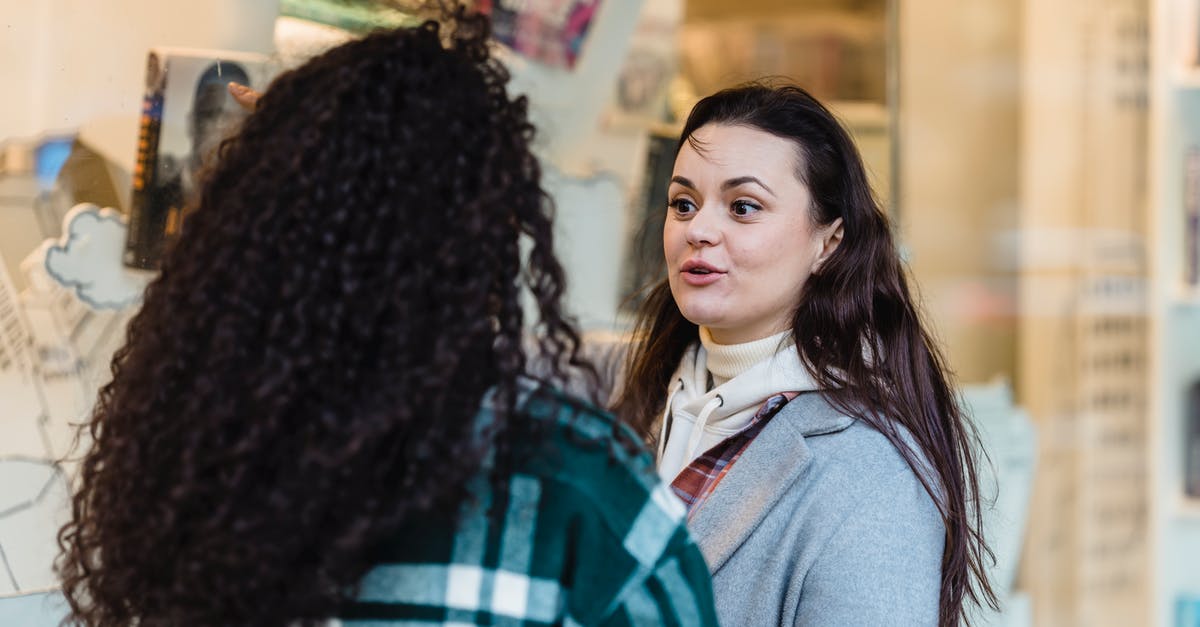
766	470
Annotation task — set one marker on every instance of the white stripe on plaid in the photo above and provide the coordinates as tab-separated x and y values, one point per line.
516	545
682	596
654	526
459	587
641	608
648	537
464	587
423	584
507	591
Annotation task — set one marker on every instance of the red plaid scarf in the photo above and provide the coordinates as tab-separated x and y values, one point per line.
698	480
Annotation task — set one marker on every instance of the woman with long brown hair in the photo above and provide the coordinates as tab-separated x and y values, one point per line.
798	404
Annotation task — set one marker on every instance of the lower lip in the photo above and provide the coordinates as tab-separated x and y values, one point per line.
701	279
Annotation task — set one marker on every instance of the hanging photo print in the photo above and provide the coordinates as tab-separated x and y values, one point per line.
186	112
548	31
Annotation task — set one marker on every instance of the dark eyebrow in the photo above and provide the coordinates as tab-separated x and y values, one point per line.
742	180
730	184
684	182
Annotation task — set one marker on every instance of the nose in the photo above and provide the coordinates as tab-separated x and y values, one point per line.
704	228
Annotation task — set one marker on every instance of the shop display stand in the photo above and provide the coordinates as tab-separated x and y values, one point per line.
1175	302
1084	334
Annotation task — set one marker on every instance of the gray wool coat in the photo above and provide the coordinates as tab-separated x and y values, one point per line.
821	522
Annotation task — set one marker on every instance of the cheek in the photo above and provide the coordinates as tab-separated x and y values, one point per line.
780	257
764	253
673	240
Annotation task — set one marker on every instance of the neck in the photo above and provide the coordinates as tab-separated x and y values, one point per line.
726	361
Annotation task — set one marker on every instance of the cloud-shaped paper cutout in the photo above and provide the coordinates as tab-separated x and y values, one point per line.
87	259
36	609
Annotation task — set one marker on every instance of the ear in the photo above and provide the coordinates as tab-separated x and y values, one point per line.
829	238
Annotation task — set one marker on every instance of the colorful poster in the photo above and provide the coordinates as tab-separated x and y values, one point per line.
547	31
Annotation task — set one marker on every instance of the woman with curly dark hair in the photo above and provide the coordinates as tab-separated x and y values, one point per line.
322	411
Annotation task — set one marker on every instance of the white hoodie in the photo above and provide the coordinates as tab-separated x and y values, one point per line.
744	377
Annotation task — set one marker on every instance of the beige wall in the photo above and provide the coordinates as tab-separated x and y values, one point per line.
959	120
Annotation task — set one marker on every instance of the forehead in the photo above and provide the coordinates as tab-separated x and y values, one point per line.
738	151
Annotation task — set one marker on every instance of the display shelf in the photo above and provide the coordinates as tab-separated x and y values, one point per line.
1175	123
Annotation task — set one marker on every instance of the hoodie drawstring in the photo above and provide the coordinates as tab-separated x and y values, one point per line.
662	434
701	422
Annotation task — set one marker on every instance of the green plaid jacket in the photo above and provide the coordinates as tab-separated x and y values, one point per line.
586	535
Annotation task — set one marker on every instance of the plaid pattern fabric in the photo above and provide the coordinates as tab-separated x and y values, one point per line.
698	479
586	535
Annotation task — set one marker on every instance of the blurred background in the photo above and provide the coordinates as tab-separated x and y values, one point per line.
1040	161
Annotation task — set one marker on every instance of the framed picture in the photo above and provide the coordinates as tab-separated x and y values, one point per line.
186	112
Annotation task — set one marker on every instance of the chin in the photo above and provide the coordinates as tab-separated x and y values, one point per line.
700	315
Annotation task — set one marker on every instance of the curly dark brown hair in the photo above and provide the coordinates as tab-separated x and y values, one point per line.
304	374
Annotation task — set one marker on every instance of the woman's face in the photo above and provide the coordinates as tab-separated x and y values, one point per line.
739	238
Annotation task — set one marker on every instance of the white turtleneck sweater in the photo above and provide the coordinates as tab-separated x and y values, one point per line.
743	377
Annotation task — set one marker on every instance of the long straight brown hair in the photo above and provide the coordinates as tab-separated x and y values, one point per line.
856	327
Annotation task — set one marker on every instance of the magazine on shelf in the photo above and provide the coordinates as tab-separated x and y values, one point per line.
186	112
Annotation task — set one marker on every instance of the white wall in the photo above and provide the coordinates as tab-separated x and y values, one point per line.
78	64
593	171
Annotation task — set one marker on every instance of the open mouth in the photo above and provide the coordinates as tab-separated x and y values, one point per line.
698	273
698	267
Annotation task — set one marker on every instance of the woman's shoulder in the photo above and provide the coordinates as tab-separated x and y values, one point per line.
594	467
584	425
855	457
583	447
865	449
855	481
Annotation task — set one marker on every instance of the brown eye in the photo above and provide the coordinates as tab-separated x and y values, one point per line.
682	206
744	208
